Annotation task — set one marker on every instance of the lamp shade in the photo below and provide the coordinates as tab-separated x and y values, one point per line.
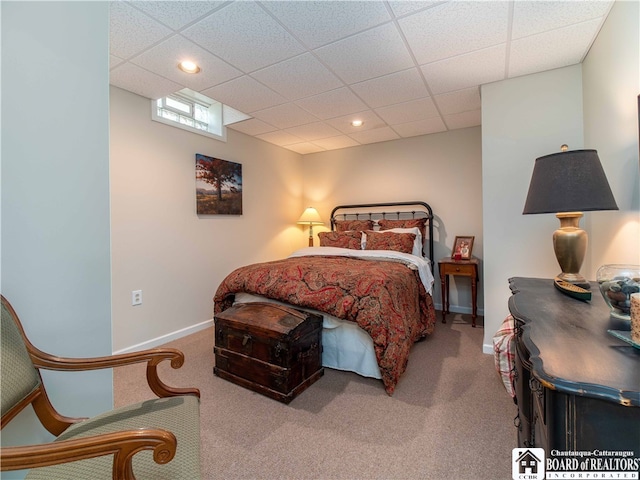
571	181
310	217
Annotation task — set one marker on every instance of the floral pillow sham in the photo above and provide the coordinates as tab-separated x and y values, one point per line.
399	242
350	239
407	223
359	225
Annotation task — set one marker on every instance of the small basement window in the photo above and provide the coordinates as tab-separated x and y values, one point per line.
196	113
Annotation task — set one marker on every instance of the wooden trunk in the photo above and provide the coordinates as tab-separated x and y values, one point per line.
270	349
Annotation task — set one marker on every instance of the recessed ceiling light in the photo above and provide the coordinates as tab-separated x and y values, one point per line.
357	123
188	67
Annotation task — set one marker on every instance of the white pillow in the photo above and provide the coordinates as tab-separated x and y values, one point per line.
417	243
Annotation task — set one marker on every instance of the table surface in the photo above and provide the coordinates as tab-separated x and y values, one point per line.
472	260
570	349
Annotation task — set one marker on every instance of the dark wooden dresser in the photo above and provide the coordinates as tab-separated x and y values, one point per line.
577	387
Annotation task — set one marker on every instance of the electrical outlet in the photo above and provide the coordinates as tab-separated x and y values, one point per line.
136	297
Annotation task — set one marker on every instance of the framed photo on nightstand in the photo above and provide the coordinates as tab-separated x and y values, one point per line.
462	248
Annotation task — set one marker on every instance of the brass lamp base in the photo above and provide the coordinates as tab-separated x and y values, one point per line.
570	244
310	234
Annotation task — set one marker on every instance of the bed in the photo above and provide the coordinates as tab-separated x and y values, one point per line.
370	279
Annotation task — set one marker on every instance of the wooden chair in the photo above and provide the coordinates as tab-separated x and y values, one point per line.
156	439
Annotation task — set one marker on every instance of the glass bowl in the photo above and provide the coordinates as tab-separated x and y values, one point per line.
617	283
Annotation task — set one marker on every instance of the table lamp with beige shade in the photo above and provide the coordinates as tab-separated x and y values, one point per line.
310	217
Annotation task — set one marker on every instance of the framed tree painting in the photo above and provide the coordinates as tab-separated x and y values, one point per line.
218	186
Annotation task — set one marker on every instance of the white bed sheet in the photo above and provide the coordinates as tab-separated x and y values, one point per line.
346	346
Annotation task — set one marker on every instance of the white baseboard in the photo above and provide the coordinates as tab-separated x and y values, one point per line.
156	342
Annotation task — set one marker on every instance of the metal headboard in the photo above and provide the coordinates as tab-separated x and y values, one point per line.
377	211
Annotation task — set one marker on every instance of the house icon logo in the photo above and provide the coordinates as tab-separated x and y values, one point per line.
527	463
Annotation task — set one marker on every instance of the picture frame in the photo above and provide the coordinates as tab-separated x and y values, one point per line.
462	247
218	186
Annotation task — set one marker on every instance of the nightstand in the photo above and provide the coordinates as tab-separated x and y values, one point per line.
463	268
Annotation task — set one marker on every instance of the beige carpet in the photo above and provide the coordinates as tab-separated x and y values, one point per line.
450	417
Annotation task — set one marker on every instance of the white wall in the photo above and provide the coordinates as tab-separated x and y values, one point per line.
592	105
161	246
442	169
611	84
522	119
55	193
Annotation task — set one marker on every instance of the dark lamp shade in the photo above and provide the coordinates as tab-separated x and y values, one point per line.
571	181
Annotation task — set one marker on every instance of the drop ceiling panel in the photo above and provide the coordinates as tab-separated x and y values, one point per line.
394	88
463	119
408	112
370	119
298	77
138	80
280	138
420	127
313	131
244	35
307	68
332	104
460	101
305	148
374	136
537	52
176	14
245	94
285	116
131	31
165	57
477	25
530	18
334	143
465	71
405	7
253	127
319	23
367	55
114	61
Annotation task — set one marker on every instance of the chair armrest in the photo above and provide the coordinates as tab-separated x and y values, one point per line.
122	445
152	357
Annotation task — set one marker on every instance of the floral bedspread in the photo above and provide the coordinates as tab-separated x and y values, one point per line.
385	298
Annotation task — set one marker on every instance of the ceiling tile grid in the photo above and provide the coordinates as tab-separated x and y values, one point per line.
391	89
368	117
420	127
285	116
164	57
299	77
408	112
367	55
455	28
177	13
335	143
245	94
131	31
245	36
321	22
305	69
332	103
